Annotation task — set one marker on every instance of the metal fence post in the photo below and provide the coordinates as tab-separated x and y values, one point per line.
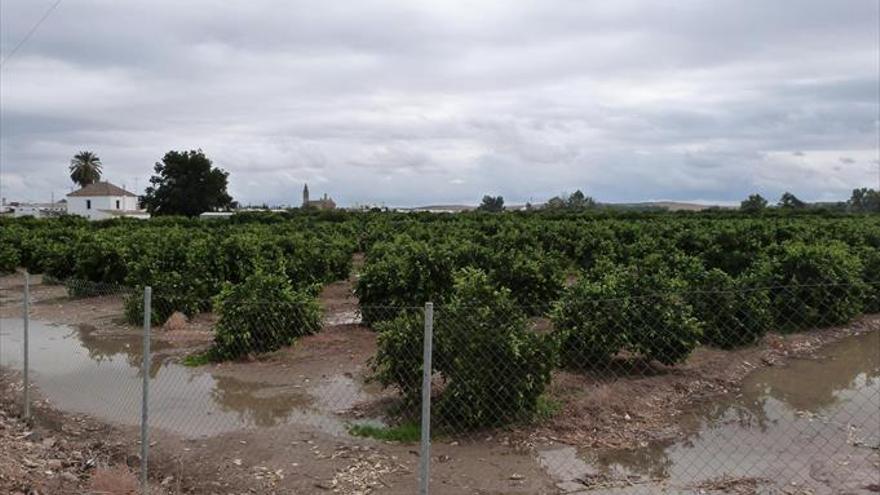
425	460
26	330
145	400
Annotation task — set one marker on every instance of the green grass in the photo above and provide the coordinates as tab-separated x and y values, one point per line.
546	408
198	359
406	433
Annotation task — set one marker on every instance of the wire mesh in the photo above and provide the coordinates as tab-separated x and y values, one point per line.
84	360
282	395
83	367
755	390
740	390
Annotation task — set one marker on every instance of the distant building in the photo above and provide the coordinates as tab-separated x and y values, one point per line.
103	200
325	203
438	209
36	210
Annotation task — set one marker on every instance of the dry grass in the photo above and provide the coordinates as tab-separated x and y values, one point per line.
118	480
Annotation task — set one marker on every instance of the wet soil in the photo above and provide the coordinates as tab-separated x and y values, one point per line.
59	453
811	425
278	424
632	402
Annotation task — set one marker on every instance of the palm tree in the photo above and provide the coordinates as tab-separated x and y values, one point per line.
85	168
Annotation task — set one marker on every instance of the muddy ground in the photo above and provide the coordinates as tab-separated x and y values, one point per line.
61	453
626	407
639	402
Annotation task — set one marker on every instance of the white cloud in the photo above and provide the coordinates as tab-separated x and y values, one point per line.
428	102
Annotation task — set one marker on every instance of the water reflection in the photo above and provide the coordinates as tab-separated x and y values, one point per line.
773	428
83	371
816	385
127	346
258	404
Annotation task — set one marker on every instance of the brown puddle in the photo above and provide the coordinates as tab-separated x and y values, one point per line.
100	375
812	422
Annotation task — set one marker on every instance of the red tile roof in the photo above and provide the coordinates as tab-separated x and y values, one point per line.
101	189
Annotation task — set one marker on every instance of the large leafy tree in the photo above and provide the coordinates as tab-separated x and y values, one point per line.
790	201
556	203
865	200
754	203
85	168
492	203
186	183
575	201
578	201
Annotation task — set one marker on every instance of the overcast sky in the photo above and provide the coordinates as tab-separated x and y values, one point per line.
407	103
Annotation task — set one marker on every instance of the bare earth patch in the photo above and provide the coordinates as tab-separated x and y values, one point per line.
638	402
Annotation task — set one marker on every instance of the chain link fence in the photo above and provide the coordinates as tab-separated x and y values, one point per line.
724	390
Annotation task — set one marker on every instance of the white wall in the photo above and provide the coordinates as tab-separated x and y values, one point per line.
79	205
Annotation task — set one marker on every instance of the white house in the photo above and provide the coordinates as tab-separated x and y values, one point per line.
103	200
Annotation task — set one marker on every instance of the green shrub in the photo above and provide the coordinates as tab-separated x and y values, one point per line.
639	308
172	292
813	285
99	259
535	279
590	321
56	259
407	274
870	257
241	255
398	359
262	314
182	270
733	312
494	369
9	258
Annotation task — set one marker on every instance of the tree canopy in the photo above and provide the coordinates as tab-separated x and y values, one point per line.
865	200
754	203
574	201
85	168
186	183
492	203
789	200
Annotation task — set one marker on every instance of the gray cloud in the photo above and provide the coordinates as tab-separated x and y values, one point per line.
419	103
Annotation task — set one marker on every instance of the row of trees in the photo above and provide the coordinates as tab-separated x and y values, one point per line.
615	286
863	200
185	183
575	201
652	301
756	202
